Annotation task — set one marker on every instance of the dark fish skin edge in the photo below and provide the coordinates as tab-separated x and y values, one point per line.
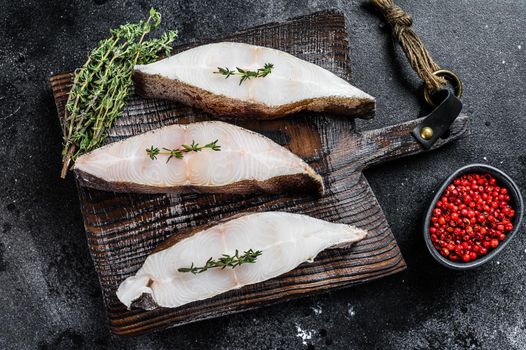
157	86
302	183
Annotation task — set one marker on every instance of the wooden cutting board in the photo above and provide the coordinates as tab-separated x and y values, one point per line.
122	229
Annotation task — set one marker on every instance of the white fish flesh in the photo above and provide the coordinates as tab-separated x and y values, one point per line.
293	85
247	162
285	240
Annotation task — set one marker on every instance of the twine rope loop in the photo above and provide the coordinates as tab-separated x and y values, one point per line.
419	57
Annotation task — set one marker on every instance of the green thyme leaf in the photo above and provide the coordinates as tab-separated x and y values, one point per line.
249	257
246	74
102	85
178	153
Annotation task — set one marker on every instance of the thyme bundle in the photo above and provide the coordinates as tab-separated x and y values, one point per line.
178	153
224	261
102	85
244	73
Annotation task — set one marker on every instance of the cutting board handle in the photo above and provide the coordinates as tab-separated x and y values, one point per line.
396	141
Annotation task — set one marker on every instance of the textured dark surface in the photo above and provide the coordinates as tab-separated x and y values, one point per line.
49	294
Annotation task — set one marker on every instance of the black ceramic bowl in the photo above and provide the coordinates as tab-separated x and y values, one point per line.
516	203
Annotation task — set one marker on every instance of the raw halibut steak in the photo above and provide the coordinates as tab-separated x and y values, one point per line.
285	240
246	162
293	85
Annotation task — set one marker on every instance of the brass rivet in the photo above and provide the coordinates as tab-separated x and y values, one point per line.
426	133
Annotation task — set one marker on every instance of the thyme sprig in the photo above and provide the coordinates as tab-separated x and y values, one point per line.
102	85
244	73
178	153
249	257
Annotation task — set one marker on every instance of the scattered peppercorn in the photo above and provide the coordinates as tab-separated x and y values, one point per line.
472	217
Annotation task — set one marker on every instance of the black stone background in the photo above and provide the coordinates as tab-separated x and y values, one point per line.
49	293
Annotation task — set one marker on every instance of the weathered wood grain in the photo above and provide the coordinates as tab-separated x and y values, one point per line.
122	229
